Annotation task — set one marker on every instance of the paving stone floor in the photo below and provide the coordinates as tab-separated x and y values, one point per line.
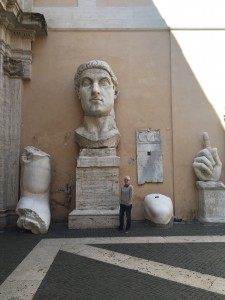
77	270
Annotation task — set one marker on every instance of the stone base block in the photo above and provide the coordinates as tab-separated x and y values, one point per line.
84	219
97	179
97	188
211	201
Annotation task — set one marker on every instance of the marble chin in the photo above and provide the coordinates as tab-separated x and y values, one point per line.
109	141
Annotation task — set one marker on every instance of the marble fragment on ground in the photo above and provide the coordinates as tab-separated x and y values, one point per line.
33	207
158	209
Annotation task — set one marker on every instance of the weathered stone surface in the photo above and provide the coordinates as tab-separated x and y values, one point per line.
104	157
102	152
33	207
97	189
211	201
158	209
108	142
149	156
82	219
10	99
210	185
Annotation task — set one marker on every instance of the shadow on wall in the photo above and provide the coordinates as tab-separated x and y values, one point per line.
196	107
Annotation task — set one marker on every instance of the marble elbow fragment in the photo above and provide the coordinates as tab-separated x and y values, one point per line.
158	209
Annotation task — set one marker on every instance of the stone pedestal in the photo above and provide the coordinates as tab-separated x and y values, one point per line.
211	201
97	190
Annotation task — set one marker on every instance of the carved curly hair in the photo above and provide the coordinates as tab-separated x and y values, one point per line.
95	64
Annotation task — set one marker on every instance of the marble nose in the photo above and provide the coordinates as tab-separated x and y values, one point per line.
95	89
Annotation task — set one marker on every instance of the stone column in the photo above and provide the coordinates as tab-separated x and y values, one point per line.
17	31
9	147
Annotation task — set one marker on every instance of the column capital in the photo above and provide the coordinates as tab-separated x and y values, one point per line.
17	30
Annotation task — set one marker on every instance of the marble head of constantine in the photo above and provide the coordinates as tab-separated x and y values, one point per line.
97	88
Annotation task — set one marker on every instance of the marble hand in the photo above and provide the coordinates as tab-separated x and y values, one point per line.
207	164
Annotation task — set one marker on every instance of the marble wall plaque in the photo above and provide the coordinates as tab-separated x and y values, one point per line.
149	156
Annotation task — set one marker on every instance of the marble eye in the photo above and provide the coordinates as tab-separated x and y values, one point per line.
86	82
104	82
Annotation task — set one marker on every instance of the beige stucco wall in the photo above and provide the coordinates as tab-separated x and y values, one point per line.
169	80
51	111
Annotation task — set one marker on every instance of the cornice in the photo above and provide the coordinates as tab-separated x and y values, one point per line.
26	34
16	25
11	16
23	32
34	21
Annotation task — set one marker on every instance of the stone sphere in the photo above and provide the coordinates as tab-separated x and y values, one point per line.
158	209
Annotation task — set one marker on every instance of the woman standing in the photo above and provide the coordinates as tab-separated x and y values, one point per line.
126	198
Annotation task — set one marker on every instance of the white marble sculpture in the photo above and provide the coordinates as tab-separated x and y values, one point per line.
97	87
207	164
33	207
158	209
211	191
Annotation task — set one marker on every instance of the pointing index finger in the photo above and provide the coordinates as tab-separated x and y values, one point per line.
206	140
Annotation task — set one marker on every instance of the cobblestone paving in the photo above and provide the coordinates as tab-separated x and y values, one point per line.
87	279
13	250
207	258
75	277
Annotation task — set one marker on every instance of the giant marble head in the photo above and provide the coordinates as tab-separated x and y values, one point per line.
97	88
